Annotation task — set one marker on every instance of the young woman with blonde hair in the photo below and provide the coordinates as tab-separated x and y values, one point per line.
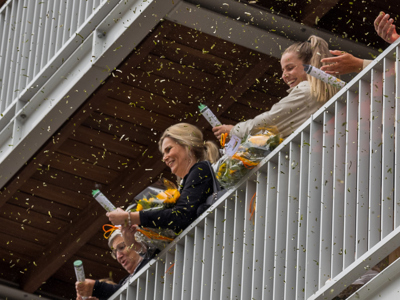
306	93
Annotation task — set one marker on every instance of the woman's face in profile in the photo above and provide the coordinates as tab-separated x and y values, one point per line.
175	157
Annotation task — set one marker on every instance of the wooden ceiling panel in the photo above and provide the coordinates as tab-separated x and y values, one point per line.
20	248
149	102
123	129
178	73
34	219
200	60
82	168
161	86
98	156
18	229
67	181
43	206
55	193
106	141
209	44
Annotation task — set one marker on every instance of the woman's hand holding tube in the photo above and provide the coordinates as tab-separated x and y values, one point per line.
219	130
121	217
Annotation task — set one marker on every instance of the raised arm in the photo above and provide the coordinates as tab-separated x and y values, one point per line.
342	63
385	28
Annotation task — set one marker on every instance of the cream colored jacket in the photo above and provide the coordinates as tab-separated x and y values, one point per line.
287	115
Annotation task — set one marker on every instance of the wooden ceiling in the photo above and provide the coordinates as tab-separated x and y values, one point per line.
48	217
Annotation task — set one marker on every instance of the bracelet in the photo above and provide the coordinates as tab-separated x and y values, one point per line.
129	219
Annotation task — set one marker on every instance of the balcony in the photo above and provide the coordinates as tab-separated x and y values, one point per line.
326	199
326	210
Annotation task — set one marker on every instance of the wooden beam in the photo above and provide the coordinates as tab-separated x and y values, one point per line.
316	10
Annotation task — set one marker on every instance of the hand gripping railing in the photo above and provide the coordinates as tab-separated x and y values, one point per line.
327	208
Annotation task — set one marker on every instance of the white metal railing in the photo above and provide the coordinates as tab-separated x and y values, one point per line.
36	36
327	208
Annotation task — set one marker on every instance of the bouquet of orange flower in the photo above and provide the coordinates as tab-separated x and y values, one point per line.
230	169
156	238
164	199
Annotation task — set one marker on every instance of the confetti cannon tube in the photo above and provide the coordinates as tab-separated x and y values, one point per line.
103	201
79	272
325	77
209	115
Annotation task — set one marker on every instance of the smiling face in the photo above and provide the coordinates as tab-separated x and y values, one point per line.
176	157
128	258
292	69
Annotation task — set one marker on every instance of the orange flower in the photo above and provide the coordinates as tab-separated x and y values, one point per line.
169	196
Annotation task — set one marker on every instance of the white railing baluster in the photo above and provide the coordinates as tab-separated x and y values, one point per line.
2	51
264	234
81	13
196	287
27	36
280	229
304	146
6	55
61	18
53	15
326	199
216	255
207	257
292	219
67	30
188	260
338	188
350	179
362	168
375	165
388	146
227	249
397	142
238	252
46	23
169	270
40	38
177	270
248	239
33	42
159	283
15	42
150	284
314	208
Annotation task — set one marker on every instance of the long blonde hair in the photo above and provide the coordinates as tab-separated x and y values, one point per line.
190	137
311	52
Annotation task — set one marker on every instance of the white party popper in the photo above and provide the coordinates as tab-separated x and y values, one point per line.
325	77
103	201
209	115
79	272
